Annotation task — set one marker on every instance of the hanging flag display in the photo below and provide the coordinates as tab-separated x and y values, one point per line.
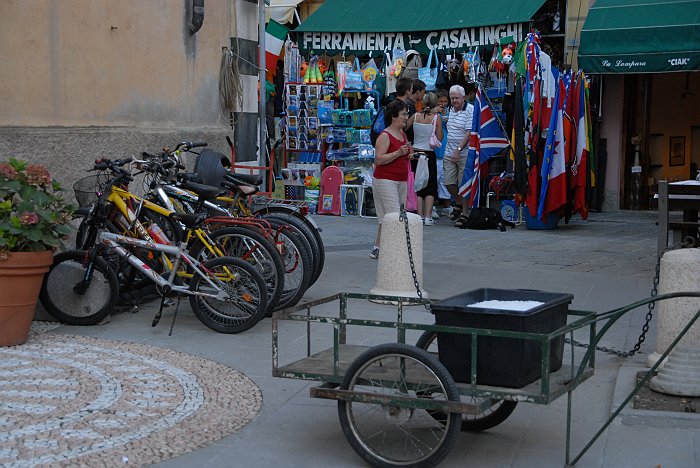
552	136
275	34
553	172
487	140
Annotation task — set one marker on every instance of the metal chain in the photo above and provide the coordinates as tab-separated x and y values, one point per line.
403	217
652	305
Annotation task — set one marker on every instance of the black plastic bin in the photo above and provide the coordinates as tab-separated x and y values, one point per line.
501	362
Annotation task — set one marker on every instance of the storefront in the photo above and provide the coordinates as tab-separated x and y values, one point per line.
648	56
328	123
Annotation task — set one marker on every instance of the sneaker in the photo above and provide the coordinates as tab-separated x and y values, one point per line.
428	222
435	214
374	253
445	211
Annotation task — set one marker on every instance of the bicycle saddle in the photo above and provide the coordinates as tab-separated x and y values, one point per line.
191	220
204	192
244	178
238	186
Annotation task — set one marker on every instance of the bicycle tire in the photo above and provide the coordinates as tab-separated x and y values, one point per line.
385	435
312	230
64	304
270	265
247	294
299	225
298	265
491	416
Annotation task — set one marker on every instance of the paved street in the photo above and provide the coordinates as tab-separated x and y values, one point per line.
605	263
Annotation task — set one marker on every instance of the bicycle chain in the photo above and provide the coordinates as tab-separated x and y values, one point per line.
652	305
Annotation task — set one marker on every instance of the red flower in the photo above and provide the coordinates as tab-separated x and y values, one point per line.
29	218
8	171
38	175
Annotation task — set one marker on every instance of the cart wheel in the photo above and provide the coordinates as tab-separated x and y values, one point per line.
492	416
385	435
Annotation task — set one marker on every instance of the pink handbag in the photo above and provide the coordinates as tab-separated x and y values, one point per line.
411	202
434	142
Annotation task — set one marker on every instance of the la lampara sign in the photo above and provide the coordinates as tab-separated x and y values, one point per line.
457	40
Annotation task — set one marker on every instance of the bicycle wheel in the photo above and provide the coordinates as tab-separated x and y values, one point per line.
313	233
296	258
299	226
246	244
80	216
241	290
63	301
398	434
492	416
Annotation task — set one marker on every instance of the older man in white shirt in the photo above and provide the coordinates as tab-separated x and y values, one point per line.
459	126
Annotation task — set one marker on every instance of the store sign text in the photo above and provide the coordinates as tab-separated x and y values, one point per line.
421	41
623	64
679	61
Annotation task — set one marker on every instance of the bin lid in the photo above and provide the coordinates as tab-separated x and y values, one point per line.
461	302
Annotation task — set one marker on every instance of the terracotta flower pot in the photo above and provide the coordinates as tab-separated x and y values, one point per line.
21	276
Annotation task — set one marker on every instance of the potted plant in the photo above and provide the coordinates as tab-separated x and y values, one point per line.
34	220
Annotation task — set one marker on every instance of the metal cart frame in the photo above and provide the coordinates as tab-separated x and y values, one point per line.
332	367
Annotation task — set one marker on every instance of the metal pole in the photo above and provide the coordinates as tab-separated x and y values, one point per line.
262	130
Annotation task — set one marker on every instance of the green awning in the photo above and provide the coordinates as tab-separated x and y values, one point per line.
365	25
641	36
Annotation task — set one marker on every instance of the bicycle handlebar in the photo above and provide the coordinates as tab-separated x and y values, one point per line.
188	145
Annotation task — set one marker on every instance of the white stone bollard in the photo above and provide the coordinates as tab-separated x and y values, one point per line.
679	272
394	276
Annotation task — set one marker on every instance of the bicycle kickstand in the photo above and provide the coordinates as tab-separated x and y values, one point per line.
172	325
156	319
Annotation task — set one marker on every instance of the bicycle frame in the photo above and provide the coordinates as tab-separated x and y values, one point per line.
119	197
117	241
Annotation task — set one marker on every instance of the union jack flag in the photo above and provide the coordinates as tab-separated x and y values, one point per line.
486	140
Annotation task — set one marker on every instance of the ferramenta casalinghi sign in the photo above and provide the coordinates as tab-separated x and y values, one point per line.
457	40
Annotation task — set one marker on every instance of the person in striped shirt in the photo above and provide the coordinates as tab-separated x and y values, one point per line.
459	126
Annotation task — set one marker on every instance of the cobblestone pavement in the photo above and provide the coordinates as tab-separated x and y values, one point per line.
78	401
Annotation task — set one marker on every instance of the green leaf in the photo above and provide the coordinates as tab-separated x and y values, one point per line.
42	198
35	235
27	192
18	164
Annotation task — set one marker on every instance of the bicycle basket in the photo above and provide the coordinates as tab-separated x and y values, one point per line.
86	189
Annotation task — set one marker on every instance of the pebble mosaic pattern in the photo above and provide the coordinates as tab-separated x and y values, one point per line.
78	401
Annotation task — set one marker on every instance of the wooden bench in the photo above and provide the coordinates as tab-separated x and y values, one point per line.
678	198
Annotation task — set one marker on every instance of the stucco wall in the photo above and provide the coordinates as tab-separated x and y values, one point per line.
105	62
82	79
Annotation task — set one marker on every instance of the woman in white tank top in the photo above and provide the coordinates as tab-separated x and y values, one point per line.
422	130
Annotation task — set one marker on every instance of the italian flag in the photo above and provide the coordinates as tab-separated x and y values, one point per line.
275	34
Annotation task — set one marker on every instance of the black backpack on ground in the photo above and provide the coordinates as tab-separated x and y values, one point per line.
486	218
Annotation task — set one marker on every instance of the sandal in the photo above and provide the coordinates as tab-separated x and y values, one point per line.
461	222
455	214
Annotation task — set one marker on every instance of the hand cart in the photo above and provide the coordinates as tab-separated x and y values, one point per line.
398	404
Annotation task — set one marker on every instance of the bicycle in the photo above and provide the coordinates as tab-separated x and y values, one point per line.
226	294
290	239
242	203
139	217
